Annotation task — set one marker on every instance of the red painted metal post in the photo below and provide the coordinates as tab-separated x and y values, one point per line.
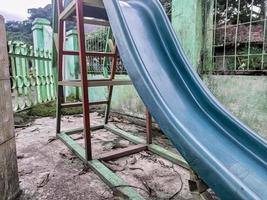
112	75
60	6
60	95
148	127
84	82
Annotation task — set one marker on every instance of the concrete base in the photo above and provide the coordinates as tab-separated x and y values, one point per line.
9	181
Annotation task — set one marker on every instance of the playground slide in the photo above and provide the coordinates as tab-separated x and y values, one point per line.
226	154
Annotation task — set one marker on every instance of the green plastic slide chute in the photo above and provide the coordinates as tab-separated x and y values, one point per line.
225	153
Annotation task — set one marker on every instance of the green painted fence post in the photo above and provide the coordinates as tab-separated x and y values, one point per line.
42	40
192	22
24	73
72	71
207	45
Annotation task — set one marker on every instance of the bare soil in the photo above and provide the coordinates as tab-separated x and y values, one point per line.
48	170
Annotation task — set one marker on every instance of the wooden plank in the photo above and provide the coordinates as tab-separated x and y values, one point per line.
124	134
72	105
148	127
111	179
70	83
94	21
95	83
73	131
84	79
110	88
94	3
79	130
77	149
79	104
91	53
68	10
168	155
112	155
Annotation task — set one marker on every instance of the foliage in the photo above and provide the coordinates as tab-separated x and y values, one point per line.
21	30
257	7
167	4
45	12
49	110
243	61
255	59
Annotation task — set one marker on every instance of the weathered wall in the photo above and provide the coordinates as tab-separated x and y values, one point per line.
244	96
189	27
9	183
126	100
191	20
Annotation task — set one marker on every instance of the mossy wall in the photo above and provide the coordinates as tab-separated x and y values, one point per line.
244	96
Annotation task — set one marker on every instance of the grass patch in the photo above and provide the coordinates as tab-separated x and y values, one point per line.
49	110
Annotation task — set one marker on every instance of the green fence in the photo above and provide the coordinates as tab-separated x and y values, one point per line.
31	73
97	40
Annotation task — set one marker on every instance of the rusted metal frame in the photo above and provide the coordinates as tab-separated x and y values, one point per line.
79	104
84	81
95	83
110	89
110	178
60	95
148	127
91	53
122	152
60	7
65	13
173	157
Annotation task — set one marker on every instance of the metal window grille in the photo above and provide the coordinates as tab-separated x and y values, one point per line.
239	43
96	41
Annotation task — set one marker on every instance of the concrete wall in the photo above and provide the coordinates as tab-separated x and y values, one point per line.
126	100
244	96
189	27
9	183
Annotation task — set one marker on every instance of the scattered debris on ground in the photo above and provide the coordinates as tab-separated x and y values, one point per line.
48	170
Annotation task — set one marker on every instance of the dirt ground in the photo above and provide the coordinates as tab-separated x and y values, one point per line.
48	170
